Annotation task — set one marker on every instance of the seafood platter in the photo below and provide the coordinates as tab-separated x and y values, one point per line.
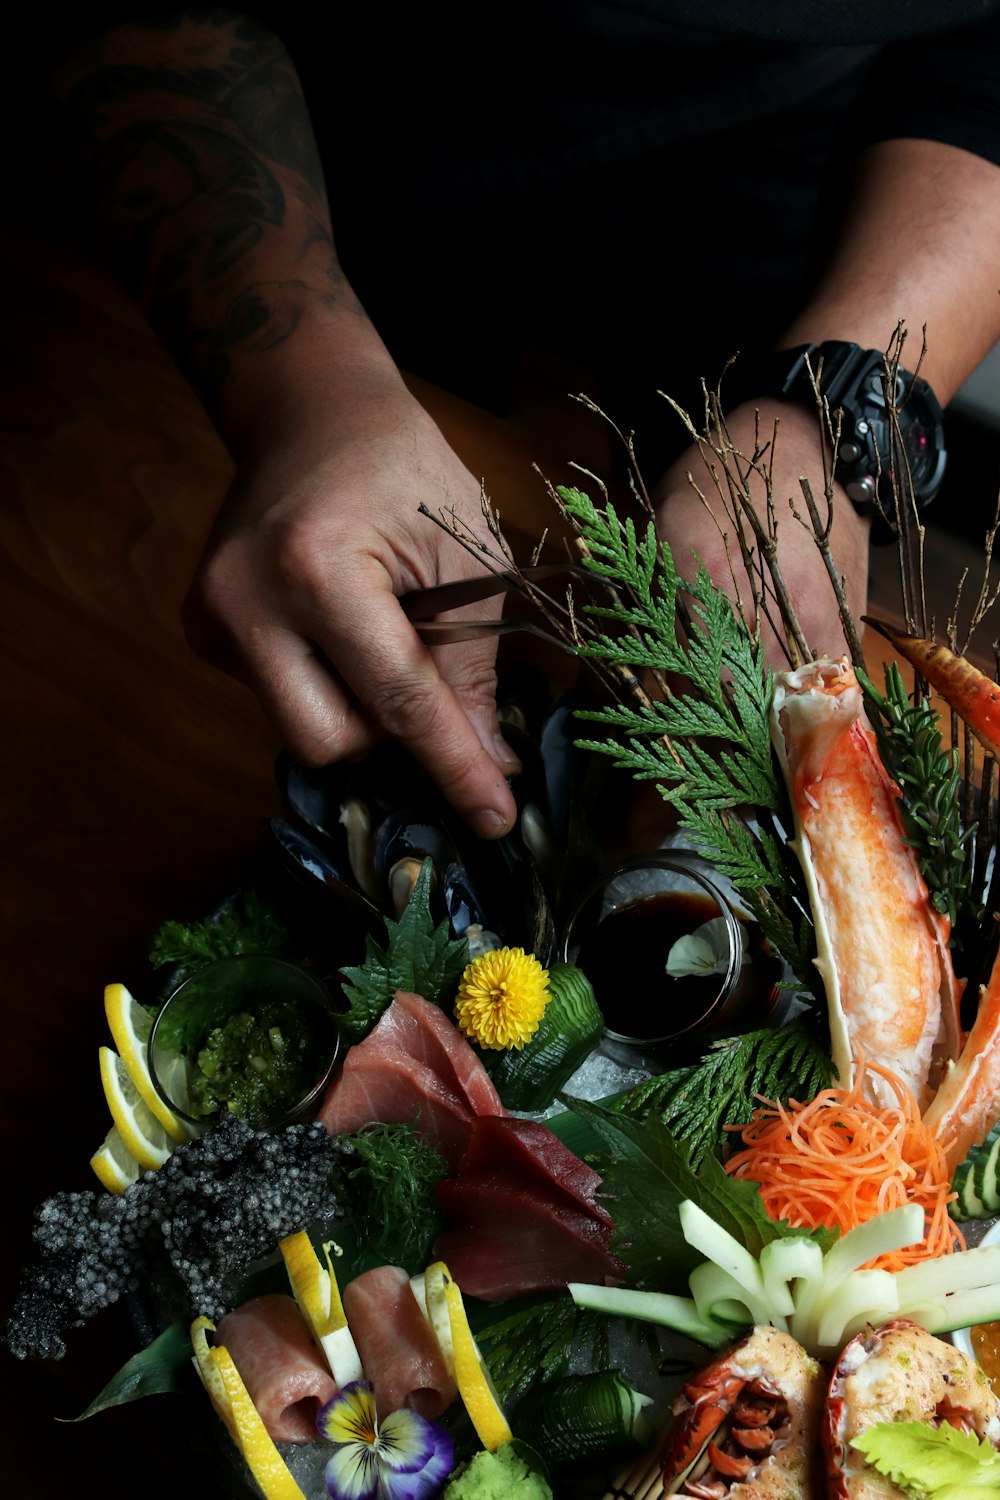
536	1215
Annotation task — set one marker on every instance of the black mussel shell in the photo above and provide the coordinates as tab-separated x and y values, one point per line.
462	901
310	793
412	833
309	859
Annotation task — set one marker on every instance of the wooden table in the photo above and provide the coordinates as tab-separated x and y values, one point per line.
138	778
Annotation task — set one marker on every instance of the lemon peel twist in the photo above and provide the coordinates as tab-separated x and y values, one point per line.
501	998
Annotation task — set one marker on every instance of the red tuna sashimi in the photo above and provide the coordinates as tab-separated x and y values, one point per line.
432	1038
399	1350
393	1089
412	1067
529	1151
286	1376
505	1239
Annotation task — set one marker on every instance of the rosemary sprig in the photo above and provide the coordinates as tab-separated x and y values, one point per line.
930	779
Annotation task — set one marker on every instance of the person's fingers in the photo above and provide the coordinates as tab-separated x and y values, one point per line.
397	681
368	676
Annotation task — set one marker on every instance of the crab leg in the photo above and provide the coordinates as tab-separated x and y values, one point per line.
882	949
967	1104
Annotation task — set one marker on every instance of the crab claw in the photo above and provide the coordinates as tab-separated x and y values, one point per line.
974	696
747	1423
898	1373
967	1104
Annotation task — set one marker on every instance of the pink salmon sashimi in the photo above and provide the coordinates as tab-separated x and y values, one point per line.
881	947
529	1151
506	1239
399	1350
285	1375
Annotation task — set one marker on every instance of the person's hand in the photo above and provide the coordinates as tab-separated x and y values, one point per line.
297	594
685	523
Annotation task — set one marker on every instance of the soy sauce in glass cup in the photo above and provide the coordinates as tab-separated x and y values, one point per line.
673	964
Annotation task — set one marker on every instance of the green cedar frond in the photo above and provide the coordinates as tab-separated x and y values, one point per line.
694	1104
706	743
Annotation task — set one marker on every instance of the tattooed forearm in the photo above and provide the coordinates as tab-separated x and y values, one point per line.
191	152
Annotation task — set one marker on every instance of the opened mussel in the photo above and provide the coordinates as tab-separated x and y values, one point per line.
366	827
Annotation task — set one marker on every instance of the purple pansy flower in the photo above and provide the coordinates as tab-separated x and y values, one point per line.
403	1457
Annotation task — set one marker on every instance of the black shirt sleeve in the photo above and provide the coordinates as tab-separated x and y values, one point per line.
944	87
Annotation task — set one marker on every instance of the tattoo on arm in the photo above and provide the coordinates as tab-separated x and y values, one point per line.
192	155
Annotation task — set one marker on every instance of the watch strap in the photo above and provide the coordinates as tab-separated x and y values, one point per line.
852	381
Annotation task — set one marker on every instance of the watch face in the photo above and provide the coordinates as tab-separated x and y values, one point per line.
865	465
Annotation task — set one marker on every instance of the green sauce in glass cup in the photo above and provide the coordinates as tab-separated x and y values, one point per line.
254	1035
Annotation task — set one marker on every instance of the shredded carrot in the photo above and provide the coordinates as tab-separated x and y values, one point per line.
839	1161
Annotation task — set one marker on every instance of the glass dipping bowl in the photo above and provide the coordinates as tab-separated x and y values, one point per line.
621	933
254	1034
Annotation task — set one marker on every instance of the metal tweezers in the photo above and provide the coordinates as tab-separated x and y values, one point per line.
421	604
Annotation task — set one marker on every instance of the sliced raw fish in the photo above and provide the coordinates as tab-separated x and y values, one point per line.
394	1090
432	1038
506	1239
285	1374
413	1067
532	1153
399	1350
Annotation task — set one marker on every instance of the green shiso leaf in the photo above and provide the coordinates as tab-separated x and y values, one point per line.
646	1176
419	957
536	1341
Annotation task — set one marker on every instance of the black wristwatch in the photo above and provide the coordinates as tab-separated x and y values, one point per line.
851	379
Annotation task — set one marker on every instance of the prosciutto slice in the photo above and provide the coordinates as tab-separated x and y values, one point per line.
285	1374
399	1350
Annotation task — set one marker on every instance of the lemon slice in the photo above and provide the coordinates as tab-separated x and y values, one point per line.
207	1369
471	1375
231	1400
130	1026
318	1295
435	1304
114	1163
140	1130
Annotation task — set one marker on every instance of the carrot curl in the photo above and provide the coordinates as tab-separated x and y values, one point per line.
839	1160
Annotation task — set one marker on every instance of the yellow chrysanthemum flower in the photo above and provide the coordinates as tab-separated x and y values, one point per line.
501	998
